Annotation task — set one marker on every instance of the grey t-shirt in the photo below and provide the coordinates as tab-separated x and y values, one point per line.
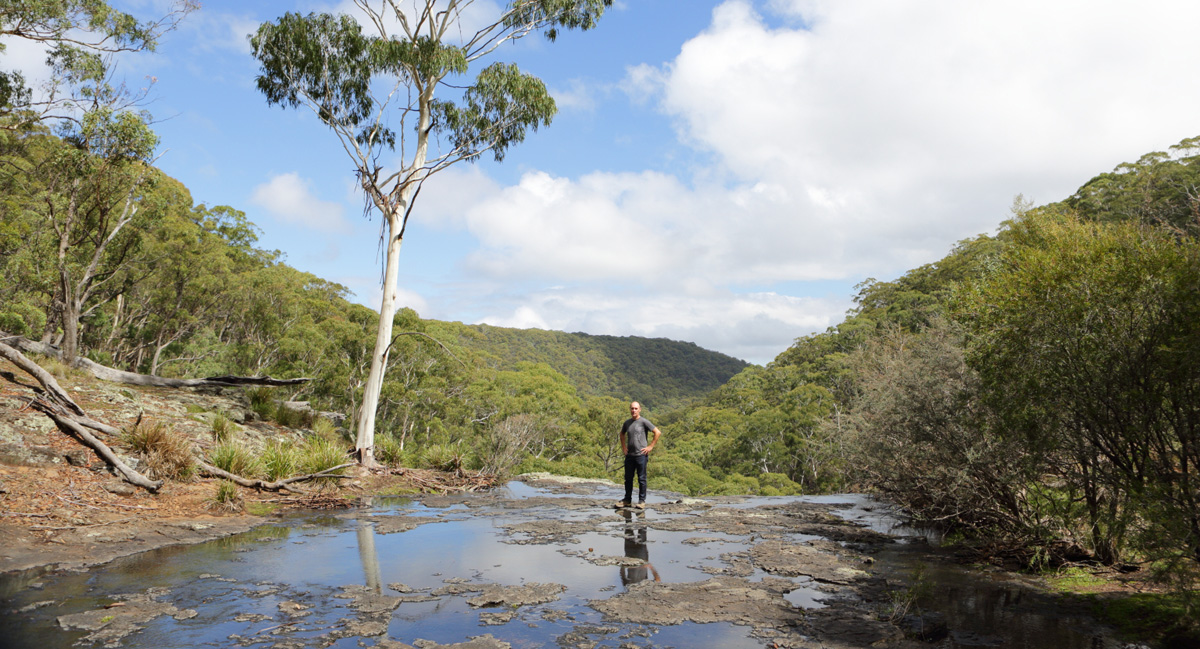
637	434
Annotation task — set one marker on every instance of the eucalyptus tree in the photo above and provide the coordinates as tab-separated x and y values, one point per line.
80	35
396	79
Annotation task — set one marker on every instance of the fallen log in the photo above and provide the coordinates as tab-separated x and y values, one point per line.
105	373
278	485
69	424
55	403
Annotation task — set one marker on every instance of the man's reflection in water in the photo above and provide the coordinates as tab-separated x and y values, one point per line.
635	547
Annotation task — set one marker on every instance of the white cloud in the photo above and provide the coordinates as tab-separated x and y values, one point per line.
289	198
850	139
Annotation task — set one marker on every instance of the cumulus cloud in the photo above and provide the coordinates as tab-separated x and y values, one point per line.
289	199
847	139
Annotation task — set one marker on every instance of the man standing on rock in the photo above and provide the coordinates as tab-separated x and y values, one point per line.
636	442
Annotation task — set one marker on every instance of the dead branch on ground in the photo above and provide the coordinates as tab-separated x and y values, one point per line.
278	485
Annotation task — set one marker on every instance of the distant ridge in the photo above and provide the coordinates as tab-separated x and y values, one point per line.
659	372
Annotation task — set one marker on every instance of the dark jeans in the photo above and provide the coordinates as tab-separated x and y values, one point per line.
635	463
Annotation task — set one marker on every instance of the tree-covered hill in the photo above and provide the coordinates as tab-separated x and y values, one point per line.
659	372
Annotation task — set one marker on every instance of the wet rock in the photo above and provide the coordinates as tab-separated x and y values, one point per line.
109	625
478	642
403	588
579	637
36	605
515	596
549	531
393	524
612	560
722	599
294	609
852	627
496	619
367	601
455	589
701	540
737	564
251	617
795	560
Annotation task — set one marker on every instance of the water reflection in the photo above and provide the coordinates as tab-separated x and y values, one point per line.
368	556
635	548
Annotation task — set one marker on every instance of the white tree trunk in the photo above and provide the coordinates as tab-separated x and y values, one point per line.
364	445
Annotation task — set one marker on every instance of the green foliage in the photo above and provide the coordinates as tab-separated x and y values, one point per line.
280	460
227	497
319	454
389	451
236	459
325	428
442	458
1086	344
222	429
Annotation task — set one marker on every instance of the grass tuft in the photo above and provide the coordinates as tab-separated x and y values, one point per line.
319	454
167	455
227	498
280	460
236	459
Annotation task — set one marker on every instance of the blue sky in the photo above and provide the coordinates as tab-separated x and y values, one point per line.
721	172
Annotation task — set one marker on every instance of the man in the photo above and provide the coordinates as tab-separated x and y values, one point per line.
636	442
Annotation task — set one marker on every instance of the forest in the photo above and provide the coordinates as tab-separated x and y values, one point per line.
1037	388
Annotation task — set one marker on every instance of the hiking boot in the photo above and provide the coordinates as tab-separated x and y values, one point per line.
621	504
640	505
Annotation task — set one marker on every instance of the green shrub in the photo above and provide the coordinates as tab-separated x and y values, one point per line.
227	497
261	395
264	409
442	458
388	450
324	427
222	429
319	454
236	459
280	460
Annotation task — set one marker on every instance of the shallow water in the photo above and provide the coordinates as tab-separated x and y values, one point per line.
245	589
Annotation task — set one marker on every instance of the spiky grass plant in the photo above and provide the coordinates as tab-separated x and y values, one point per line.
325	428
236	459
319	454
280	460
166	454
442	458
227	498
222	429
388	450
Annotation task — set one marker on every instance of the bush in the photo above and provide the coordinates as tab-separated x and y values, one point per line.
222	429
441	458
165	453
388	450
324	427
236	459
319	454
227	498
280	460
